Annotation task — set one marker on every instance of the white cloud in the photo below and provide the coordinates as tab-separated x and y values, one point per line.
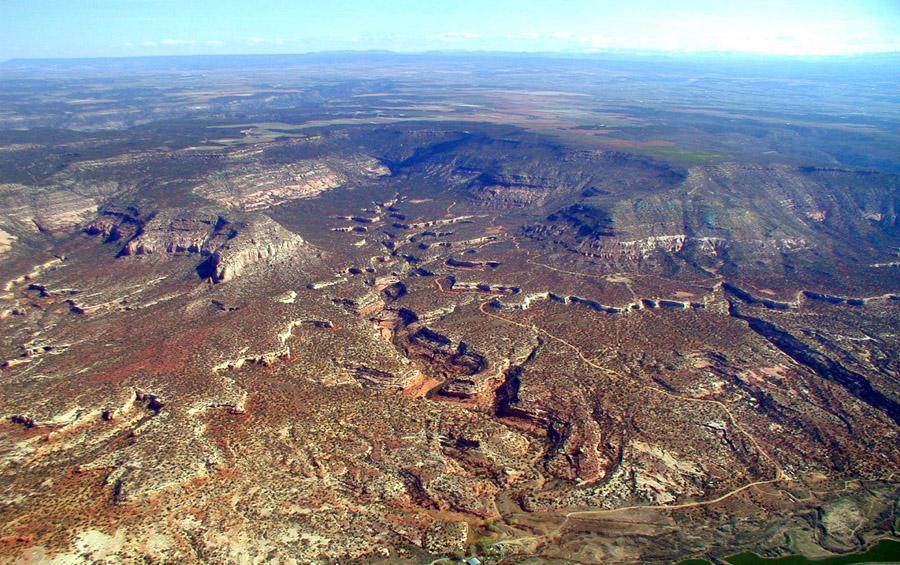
215	42
169	42
458	36
149	44
597	41
256	40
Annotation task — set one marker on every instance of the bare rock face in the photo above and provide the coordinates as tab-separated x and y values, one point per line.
711	220
255	242
181	232
230	244
256	187
116	224
6	241
44	210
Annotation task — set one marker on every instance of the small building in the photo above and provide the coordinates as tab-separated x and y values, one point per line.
473	561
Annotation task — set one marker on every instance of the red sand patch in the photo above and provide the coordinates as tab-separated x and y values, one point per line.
160	357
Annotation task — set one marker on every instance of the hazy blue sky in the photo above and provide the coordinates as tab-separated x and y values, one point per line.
77	28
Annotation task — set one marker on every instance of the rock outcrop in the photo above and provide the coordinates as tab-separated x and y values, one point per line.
259	241
230	244
711	221
258	186
44	210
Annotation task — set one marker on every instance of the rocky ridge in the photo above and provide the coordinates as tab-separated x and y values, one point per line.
252	186
229	244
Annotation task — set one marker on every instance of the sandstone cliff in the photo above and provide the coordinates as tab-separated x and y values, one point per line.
229	244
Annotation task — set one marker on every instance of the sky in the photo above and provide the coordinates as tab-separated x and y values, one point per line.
116	28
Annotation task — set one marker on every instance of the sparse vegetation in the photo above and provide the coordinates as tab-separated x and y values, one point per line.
350	312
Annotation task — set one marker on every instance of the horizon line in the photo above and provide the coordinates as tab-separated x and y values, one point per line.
570	54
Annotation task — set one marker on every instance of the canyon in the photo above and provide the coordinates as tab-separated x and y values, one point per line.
292	319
